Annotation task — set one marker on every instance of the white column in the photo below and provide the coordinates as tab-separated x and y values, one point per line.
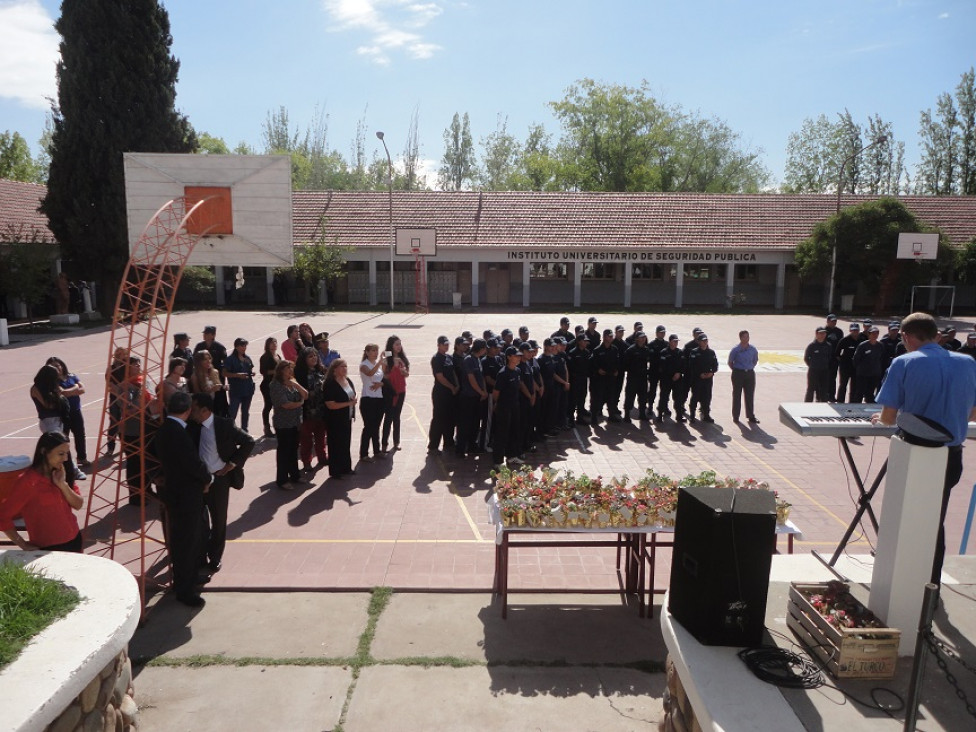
269	285
526	282
679	284
577	283
628	283
780	286
474	283
219	273
907	534
729	285
372	282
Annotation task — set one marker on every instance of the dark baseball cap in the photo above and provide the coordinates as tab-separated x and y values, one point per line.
592	319
177	337
970	336
441	340
523	329
461	340
673	337
511	351
240	342
638	325
607	332
525	347
854	326
321	337
873	329
478	344
894	326
702	337
821	329
582	337
579	329
620	329
660	329
831	316
210	329
506	331
696	331
492	343
564	320
548	342
466	335
640	334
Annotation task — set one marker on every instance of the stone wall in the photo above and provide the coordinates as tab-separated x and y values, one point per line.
105	705
678	713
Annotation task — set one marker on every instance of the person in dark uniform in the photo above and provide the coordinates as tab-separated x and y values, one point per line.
949	340
218	354
834	336
578	364
702	365
866	326
689	348
868	368
507	338
538	433
187	479
593	333
181	347
613	403
817	357
604	366
505	397
473	403
443	397
890	341
636	363
527	399
550	398
560	374
632	338
670	374
844	355
970	348
564	332
656	347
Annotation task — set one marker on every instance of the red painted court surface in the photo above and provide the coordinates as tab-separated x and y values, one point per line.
413	521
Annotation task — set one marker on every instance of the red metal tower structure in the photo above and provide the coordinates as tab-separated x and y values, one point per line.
139	325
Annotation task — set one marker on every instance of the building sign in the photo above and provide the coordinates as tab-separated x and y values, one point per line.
549	255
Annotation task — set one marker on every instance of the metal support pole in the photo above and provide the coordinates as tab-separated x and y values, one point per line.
389	181
918	667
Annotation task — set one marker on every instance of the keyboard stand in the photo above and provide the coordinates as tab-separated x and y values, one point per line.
863	502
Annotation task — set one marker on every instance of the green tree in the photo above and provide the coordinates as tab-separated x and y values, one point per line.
16	162
813	157
321	261
866	236
966	107
116	93
27	270
458	164
966	262
207	144
412	179
538	165
499	162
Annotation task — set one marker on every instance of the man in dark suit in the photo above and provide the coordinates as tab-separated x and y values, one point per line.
223	447
186	481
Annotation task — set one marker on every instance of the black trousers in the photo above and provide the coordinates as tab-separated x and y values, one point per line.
216	500
76	425
442	420
864	388
505	434
338	437
743	383
185	520
952	475
636	388
266	410
600	389
613	402
671	389
701	394
577	396
472	411
818	386
391	419
846	376
372	410
286	456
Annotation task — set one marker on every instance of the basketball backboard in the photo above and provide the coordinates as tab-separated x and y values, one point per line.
411	242
918	246
247	220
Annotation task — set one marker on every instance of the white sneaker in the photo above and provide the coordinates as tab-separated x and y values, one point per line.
79	475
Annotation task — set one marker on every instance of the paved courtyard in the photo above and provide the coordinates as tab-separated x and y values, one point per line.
414	521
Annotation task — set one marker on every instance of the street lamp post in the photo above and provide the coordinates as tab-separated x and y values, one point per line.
840	180
389	181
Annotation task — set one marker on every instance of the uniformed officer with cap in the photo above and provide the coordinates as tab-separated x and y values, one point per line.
868	368
564	332
604	366
817	357
702	364
613	401
671	372
578	364
970	348
656	347
181	349
636	364
844	355
505	418
592	334
834	336
443	397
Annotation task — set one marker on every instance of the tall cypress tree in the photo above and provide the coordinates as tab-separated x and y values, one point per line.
116	93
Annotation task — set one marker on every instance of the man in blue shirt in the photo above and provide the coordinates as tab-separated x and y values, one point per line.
934	383
742	360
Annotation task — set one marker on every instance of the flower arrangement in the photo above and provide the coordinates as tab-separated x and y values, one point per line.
545	497
840	608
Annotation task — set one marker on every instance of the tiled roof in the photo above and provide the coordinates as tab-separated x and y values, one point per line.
19	218
770	222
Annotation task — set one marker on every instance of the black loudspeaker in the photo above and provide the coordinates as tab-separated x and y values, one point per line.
723	548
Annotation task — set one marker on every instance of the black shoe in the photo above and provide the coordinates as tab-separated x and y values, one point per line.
753	420
708	418
433	451
191	600
215	567
204	578
642	417
681	419
692	419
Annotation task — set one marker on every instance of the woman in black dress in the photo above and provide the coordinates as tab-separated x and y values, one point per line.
340	410
269	359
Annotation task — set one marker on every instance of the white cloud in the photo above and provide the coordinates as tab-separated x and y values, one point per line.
28	53
943	16
393	26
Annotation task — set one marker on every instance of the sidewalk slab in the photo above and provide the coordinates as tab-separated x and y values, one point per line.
243	699
262	625
505	698
540	628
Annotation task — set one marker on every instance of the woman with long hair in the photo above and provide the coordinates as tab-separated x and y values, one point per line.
371	402
53	410
267	363
72	389
120	357
339	395
204	379
306	335
312	433
396	370
46	497
173	382
238	373
287	398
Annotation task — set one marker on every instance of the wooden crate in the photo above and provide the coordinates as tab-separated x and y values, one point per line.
848	653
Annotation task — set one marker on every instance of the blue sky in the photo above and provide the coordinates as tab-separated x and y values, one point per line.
760	65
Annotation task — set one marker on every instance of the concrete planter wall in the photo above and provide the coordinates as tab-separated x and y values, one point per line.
76	674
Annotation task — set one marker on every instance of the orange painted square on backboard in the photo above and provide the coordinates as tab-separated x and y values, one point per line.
215	216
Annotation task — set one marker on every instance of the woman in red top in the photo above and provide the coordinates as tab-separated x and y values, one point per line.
46	497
